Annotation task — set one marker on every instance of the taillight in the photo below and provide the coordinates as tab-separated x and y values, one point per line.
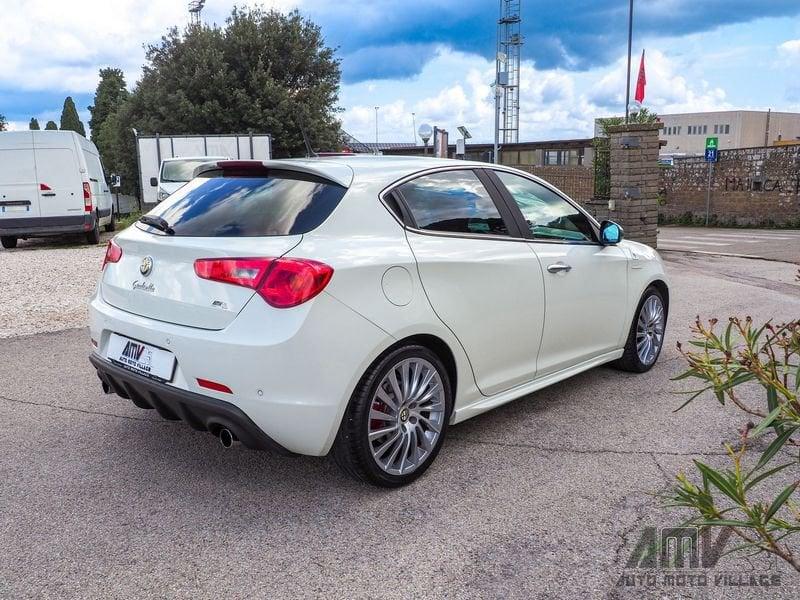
87	197
247	272
113	253
292	281
282	282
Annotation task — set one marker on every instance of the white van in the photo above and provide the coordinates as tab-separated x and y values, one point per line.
51	182
177	172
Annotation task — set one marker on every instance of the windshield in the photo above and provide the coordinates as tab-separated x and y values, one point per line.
181	171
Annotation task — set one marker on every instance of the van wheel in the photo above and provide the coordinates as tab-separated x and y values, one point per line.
397	418
93	236
112	224
8	241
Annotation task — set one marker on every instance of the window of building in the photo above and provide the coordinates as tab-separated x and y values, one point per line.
679	129
716	128
727	128
705	129
691	129
552	157
453	201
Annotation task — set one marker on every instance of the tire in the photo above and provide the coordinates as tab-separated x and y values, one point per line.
93	236
112	224
353	449
631	360
8	241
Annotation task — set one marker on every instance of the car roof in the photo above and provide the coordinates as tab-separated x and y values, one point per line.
367	167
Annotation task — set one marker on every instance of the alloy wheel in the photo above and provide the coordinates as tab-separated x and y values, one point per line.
650	330
406	416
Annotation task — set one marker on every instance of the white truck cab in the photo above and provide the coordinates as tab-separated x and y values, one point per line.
51	182
174	173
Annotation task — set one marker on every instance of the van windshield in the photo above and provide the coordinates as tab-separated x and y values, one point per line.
181	171
281	203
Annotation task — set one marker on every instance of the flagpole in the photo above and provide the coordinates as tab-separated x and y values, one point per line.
630	43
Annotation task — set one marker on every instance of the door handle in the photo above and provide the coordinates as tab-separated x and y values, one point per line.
49	194
559	267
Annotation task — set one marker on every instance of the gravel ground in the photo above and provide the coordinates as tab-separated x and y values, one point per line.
45	285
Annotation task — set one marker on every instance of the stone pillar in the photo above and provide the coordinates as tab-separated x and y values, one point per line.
634	180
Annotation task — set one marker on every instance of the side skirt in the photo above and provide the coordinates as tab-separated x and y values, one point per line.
486	404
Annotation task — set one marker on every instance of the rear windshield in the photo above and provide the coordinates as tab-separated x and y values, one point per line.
280	203
181	171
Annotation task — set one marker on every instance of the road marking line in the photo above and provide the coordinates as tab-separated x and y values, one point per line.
783	235
689	243
668	249
720	238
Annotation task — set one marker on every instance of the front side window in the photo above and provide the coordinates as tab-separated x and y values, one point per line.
548	215
454	202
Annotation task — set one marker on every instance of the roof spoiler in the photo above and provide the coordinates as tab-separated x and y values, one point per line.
339	174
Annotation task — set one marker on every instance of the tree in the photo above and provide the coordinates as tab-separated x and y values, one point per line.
644	115
3	123
111	92
34	124
263	72
70	121
51	125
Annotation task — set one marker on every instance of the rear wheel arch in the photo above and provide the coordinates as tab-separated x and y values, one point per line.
436	345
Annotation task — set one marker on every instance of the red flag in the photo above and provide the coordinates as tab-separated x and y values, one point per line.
640	82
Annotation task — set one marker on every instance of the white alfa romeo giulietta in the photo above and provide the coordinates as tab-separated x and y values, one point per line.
360	305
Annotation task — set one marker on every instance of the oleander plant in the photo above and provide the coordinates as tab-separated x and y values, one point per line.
751	494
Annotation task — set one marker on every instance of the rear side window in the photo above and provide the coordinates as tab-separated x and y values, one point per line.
279	203
453	201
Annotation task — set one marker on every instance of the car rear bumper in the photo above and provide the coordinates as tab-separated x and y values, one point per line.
202	413
290	372
41	226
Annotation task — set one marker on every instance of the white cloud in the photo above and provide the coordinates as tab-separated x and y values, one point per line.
790	51
454	89
60	46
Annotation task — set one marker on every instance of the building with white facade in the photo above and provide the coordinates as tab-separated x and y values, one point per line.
686	133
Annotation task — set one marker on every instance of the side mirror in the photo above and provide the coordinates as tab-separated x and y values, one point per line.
610	233
154	181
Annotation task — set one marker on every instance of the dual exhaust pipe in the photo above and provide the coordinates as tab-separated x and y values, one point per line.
227	438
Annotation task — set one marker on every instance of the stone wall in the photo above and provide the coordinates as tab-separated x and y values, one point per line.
577	182
752	186
633	202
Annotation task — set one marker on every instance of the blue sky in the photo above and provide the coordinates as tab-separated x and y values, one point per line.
434	57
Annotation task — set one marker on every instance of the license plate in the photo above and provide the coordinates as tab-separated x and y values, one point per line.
136	356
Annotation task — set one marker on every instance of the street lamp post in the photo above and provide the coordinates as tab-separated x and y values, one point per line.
414	127
425	132
376	127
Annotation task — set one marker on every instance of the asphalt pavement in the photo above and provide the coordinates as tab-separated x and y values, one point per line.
543	498
770	244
